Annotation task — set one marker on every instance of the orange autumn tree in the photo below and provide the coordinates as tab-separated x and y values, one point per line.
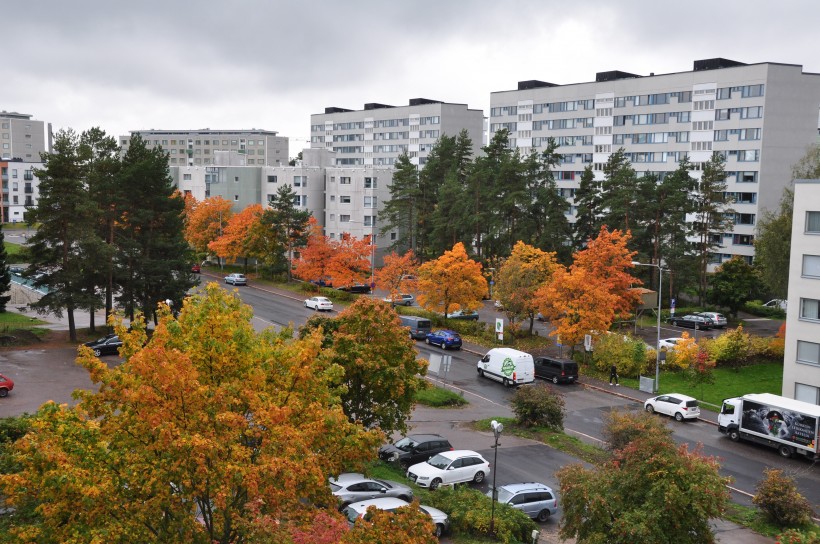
238	238
525	271
451	282
206	221
396	273
204	435
344	262
609	260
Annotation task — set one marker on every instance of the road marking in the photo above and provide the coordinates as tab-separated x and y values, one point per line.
463	391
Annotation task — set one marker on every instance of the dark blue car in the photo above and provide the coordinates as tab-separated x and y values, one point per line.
445	339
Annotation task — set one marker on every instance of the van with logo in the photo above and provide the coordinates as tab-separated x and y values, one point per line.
419	326
508	366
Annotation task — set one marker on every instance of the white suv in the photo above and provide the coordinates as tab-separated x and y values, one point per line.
681	407
449	467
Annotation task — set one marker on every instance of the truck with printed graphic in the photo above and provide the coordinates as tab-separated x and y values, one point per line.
790	426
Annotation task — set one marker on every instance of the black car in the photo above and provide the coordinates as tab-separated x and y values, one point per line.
107	345
414	448
355	288
692	321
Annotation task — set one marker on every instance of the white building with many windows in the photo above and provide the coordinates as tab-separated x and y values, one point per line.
801	365
21	189
379	134
761	117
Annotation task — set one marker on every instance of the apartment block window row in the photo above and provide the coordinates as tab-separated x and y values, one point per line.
701	146
743	219
603	131
603	112
745	155
743	239
348	149
744	91
431	120
355	125
810	309
742	177
393	135
348	137
524	117
389	161
512	127
387	123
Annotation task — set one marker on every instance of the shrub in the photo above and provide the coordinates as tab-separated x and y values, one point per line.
755	307
793	536
684	355
538	405
621	428
731	349
307	287
628	354
778	498
470	512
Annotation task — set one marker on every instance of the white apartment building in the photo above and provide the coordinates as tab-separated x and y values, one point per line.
380	133
801	365
21	189
217	147
22	137
761	117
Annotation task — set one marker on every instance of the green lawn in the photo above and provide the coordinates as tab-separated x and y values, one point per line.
439	397
14	252
729	382
15	320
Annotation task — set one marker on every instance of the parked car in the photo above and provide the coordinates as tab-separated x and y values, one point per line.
6	385
556	370
319	304
17	270
536	500
401	300
691	321
778	303
498	305
357	510
355	288
449	467
354	487
323	282
463	314
414	448
419	326
681	407
445	339
196	269
236	279
107	345
669	343
719	320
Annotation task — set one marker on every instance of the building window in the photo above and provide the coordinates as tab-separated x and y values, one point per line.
236	198
343	180
271	179
811	266
808	353
369	220
344	199
344	219
810	309
300	181
813	222
369	183
807	393
370	202
186	177
394	236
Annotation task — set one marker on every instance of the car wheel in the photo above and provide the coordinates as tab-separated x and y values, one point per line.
650	409
479	477
427	340
506	382
543	515
435	483
4	392
439	530
97	352
480	373
784	451
555	380
678	416
404	465
734	435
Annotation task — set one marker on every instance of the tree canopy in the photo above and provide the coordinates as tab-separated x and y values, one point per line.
451	282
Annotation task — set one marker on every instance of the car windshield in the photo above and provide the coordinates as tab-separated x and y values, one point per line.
691	404
406	444
335	487
101	340
504	496
385	483
439	461
350	514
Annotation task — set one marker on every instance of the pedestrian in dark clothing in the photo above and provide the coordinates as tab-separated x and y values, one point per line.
613	375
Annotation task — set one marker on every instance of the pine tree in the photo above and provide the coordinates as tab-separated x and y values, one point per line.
400	213
588	204
5	276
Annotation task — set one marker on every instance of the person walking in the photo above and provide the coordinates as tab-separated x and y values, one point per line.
613	375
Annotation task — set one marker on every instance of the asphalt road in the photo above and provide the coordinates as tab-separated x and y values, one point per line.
42	375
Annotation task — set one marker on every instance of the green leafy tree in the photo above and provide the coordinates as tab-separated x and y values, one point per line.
808	167
5	276
523	273
779	499
153	253
400	212
712	216
381	371
65	240
539	406
622	427
733	283
773	246
651	491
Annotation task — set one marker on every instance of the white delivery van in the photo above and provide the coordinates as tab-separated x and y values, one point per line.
508	366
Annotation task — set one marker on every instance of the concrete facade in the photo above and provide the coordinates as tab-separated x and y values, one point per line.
761	117
21	137
379	134
217	147
801	365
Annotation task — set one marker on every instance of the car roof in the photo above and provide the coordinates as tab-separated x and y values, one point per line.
348	477
382	503
680	396
455	454
448	331
425	437
525	486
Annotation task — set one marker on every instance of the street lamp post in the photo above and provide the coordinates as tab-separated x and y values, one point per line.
658	342
497	429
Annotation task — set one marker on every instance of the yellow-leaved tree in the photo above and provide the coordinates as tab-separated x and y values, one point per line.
451	282
205	221
524	272
209	433
398	275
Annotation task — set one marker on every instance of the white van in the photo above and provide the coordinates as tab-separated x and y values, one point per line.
508	366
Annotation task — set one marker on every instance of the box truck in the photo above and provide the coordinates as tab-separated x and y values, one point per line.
790	426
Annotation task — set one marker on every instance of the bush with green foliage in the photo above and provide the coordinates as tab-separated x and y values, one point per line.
621	428
470	512
11	430
793	536
755	307
538	405
630	355
777	496
731	349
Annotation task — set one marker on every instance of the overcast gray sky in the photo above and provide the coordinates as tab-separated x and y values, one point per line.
190	64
